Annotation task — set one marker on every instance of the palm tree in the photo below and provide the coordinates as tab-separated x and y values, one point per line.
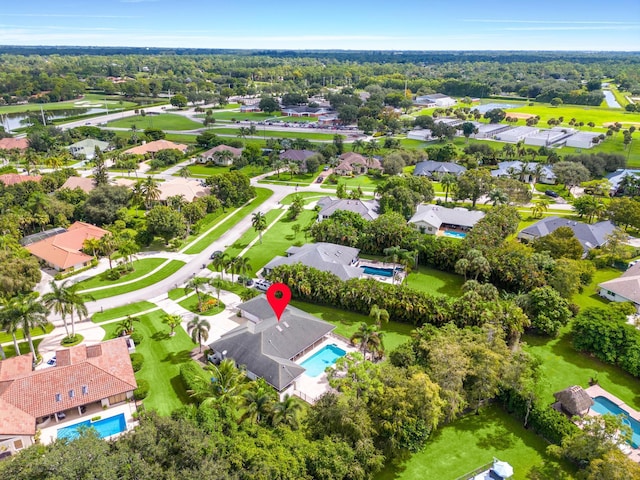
242	265
497	196
173	321
56	301
199	330
223	156
258	402
447	181
224	383
287	412
220	263
31	313
184	172
380	315
539	208
108	245
126	325
150	191
196	283
92	245
76	305
259	222
357	145
293	168
368	337
277	165
371	147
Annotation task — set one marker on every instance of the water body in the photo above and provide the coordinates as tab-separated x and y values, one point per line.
11	121
610	99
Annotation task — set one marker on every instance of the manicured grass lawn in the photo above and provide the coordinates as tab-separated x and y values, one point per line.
9	351
277	240
435	282
589	296
191	304
363	181
261	195
240	244
205	224
348	322
164	121
301	178
172	267
308	197
563	366
94	100
176	293
311	135
472	441
179	137
163	356
5	337
586	114
141	267
123	311
208	170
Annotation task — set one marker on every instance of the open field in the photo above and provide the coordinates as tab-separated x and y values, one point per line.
474	440
164	121
586	114
163	356
89	100
122	311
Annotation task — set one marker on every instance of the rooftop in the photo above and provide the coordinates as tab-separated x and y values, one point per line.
13	178
436	215
589	236
11	143
156	146
367	209
627	285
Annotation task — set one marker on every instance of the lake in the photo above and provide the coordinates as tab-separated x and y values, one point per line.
11	121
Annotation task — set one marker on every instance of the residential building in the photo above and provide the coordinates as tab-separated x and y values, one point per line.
297	156
582	140
83	183
250	108
422	134
625	288
615	178
155	147
355	164
367	209
433	169
188	188
437	220
328	257
267	347
589	236
513	169
87	148
10	143
60	249
436	100
212	155
514	135
13	178
86	380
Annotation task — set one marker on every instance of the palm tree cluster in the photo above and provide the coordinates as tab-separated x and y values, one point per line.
237	265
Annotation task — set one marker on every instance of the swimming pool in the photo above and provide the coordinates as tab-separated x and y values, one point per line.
382	272
603	406
319	361
452	234
105	427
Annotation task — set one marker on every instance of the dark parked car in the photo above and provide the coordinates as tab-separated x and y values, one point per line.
246	281
551	194
216	254
320	180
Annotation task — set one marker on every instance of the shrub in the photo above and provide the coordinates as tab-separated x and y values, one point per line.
137	337
142	391
96	418
191	374
137	360
70	341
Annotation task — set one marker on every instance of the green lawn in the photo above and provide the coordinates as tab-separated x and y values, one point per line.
277	240
23	346
589	296
473	441
261	195
348	322
5	337
311	135
208	170
586	114
300	178
176	293
240	244
96	101
123	311
308	197
205	224
191	304
141	267
169	269
435	282
363	181
163	356
164	121
258	117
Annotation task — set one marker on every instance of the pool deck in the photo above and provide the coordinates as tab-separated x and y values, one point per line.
311	388
598	391
50	428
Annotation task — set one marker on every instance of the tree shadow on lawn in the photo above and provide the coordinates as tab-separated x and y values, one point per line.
160	335
179	389
178	357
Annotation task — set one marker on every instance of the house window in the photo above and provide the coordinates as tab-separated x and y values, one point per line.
609	293
58	397
71	393
85	389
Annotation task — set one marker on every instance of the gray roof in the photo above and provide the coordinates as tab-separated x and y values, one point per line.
297	155
367	209
429	167
266	348
589	236
435	96
436	215
88	146
615	178
627	285
327	257
507	168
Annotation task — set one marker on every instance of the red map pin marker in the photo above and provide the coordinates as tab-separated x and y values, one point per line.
278	304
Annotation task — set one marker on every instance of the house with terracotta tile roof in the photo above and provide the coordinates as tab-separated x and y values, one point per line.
86	380
62	250
155	147
355	164
13	178
83	183
188	188
14	143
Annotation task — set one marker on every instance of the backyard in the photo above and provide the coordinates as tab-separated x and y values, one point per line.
163	356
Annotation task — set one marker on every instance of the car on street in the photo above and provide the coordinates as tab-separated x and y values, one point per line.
262	285
551	193
216	254
320	179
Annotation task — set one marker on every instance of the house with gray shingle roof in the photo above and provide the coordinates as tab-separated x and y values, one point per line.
589	236
514	169
433	169
87	147
432	219
328	257
367	209
268	348
625	288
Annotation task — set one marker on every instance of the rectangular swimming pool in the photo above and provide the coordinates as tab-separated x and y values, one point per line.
319	361
382	272
105	427
453	234
603	406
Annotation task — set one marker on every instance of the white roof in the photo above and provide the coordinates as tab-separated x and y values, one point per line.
436	215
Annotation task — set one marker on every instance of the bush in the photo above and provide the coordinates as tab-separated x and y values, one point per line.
142	391
137	360
137	337
191	374
70	341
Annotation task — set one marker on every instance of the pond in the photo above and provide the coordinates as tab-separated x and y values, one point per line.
11	121
611	99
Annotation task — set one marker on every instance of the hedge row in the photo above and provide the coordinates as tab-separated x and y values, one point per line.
191	374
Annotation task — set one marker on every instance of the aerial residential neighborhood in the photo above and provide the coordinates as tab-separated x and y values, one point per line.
316	252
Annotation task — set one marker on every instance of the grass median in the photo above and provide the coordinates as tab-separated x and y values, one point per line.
141	267
123	311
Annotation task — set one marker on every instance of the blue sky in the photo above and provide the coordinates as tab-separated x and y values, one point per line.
326	24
